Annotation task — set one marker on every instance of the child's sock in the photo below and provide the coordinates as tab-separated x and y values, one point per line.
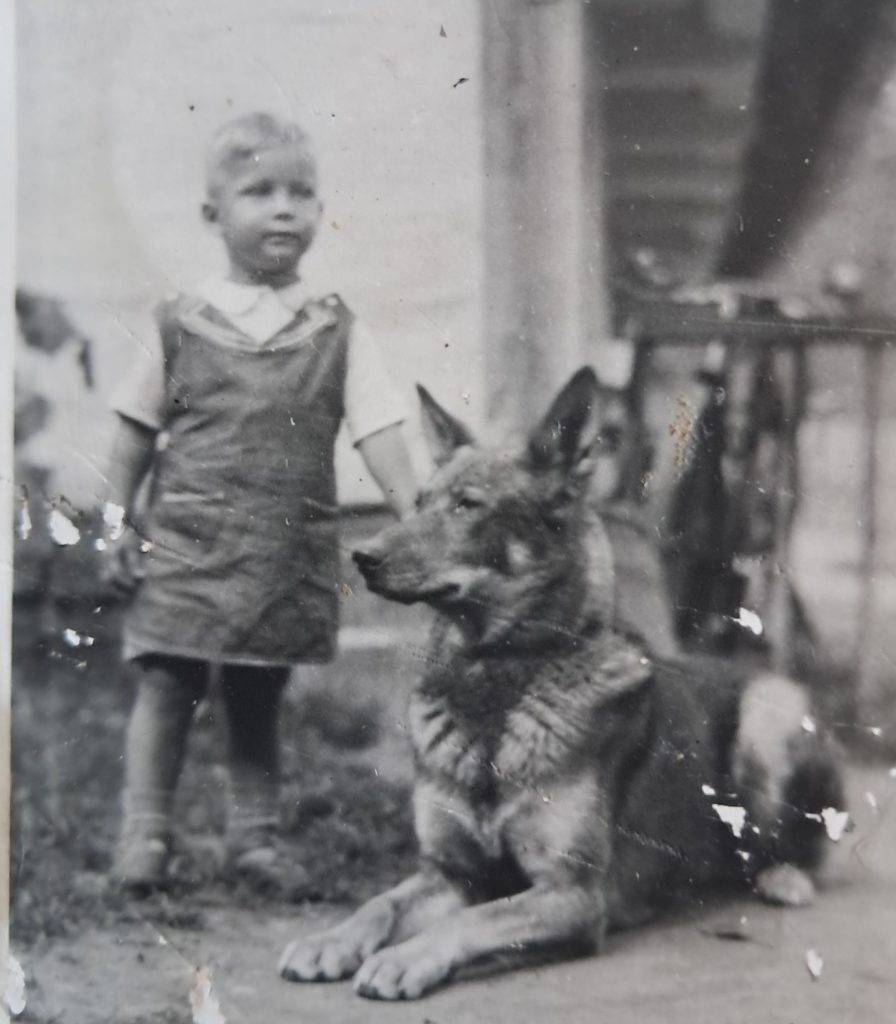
252	813
256	854
147	814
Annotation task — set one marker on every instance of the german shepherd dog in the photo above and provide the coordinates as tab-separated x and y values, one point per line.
567	782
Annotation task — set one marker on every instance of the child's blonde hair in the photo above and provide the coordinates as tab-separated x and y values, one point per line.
236	144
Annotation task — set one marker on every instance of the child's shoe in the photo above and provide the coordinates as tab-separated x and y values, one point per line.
144	850
144	843
141	865
261	859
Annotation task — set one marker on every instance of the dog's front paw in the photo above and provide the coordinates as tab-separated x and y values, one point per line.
326	957
338	952
402	972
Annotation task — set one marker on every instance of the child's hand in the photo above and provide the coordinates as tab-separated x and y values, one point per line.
121	562
121	554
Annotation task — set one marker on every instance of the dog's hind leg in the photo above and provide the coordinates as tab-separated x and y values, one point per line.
390	917
786	776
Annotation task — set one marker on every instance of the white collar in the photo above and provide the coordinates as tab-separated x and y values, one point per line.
235	299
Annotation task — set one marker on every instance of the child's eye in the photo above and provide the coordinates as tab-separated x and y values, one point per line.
302	192
261	188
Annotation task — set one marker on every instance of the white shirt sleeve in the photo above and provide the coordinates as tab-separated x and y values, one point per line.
140	396
372	402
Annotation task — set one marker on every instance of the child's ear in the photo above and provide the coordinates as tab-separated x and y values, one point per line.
210	213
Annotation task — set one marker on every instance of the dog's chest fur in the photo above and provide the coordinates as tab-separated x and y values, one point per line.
492	726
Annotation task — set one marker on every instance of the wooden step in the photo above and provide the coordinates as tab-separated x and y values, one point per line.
703	188
677	154
696	236
699	215
659	36
714	75
638	116
683	260
684	257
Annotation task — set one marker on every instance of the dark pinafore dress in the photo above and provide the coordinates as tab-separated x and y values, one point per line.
241	517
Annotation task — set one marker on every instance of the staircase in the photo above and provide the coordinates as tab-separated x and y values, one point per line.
676	117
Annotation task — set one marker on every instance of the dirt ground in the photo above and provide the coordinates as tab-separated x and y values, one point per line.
737	963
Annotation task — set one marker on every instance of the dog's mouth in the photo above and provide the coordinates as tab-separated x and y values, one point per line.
405	592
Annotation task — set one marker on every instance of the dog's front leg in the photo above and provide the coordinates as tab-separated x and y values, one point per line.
562	845
531	924
390	917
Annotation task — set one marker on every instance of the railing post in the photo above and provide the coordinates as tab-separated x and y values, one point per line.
789	360
872	358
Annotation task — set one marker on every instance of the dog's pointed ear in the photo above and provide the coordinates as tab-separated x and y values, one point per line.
564	439
444	434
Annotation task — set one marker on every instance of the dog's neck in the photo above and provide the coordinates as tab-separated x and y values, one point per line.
465	706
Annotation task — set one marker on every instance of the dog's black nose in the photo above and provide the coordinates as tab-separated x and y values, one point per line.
366	561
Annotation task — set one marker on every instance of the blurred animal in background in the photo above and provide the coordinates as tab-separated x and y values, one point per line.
567	782
44	333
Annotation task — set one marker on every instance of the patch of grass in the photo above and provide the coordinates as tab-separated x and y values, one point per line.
349	829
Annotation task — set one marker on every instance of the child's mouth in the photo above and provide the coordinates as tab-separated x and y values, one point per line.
282	237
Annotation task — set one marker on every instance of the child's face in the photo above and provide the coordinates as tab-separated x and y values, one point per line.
267	214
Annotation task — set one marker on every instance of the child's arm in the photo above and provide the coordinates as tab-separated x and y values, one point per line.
131	456
386	456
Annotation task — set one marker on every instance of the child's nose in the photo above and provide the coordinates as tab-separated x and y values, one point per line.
284	203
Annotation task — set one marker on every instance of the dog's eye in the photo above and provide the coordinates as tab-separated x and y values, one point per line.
611	437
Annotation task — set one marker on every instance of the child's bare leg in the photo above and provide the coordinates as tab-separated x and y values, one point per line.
168	690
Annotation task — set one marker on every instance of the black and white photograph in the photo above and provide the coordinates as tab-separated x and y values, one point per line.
450	565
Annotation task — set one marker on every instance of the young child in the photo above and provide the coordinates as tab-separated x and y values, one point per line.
236	422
